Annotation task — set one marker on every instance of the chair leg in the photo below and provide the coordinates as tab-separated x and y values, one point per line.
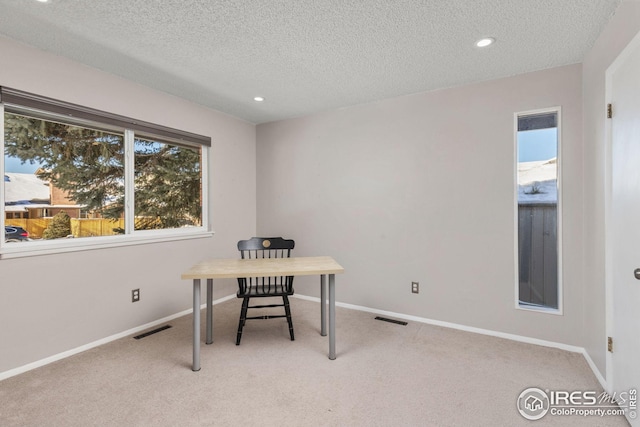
287	310
243	319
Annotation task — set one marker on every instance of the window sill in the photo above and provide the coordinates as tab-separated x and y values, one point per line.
538	308
36	248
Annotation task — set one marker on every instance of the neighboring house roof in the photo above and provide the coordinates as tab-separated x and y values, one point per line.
25	188
26	207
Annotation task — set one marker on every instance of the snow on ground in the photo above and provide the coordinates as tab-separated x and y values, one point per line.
538	182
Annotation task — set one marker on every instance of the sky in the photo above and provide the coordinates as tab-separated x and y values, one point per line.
12	164
537	145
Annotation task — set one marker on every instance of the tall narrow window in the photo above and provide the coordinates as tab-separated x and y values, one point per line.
537	139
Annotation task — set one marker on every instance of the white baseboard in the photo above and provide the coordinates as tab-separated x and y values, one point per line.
596	371
513	337
22	369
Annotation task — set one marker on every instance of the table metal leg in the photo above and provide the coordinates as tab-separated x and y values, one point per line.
209	311
323	305
332	316
196	325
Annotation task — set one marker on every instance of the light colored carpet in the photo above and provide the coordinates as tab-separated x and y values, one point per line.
384	375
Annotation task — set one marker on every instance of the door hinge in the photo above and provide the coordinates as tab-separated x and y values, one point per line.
609	111
610	344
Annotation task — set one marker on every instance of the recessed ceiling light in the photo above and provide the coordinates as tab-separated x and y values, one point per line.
43	1
258	99
485	42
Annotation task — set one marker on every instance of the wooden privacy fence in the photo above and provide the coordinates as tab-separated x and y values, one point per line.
95	227
538	254
80	227
35	227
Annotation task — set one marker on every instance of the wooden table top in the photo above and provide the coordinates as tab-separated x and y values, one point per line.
262	267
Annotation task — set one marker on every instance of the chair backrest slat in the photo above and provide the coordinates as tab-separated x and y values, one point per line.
266	247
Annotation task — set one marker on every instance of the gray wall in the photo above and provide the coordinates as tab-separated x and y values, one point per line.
624	25
54	303
421	188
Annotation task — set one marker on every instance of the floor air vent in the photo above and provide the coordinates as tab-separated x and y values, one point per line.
384	319
155	331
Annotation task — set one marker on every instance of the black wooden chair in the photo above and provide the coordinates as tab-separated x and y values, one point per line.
262	287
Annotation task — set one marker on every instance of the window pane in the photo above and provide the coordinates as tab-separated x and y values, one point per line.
61	180
167	185
538	210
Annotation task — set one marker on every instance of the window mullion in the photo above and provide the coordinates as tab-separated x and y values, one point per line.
204	186
2	166
129	182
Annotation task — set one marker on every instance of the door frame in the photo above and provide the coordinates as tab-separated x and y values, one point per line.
608	189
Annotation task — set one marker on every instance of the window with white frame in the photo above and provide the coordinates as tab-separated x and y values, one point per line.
538	210
75	176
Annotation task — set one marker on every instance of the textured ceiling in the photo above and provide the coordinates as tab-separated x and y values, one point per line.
306	56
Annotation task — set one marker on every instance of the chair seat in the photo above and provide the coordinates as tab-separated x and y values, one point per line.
257	293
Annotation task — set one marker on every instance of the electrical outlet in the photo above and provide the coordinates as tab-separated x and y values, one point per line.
135	295
415	287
